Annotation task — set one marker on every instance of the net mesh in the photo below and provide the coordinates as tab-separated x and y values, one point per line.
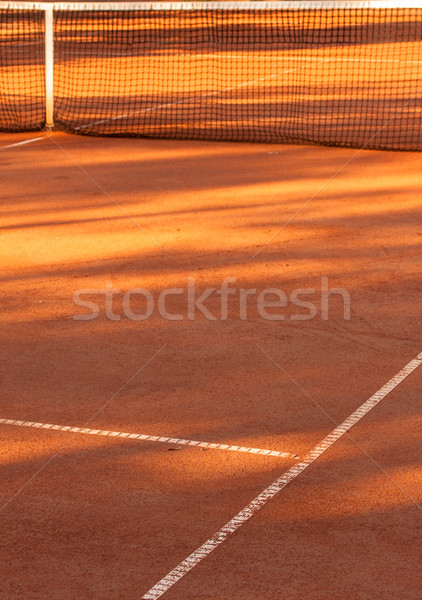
22	82
346	77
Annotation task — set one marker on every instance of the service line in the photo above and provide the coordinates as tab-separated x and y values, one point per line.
149	438
244	515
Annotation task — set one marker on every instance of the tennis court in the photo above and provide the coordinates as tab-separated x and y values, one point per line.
211	352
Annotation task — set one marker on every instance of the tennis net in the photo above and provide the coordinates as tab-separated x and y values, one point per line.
334	72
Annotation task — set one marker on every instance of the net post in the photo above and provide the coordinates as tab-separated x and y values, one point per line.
49	67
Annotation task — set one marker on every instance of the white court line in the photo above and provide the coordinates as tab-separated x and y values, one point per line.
184	100
244	515
285	57
149	438
241	85
22	143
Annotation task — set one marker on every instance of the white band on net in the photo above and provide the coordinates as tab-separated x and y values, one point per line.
244	5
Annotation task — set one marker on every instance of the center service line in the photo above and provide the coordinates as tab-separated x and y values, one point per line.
244	515
22	143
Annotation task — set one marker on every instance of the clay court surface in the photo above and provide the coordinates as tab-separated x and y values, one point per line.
108	517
